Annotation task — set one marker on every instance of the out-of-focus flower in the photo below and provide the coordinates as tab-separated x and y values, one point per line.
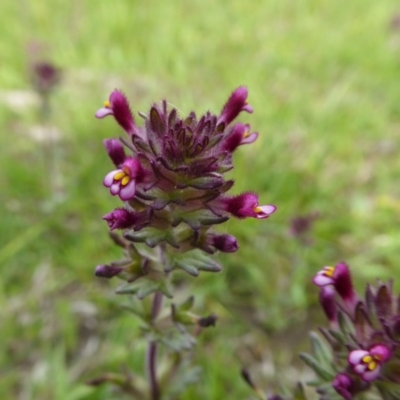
368	364
339	277
344	385
45	76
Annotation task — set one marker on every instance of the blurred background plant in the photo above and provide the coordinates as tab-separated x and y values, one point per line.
322	77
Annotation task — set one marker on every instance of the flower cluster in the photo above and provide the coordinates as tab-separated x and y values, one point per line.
170	174
364	334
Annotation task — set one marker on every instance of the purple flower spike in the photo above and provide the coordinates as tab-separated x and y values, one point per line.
343	384
327	300
225	243
118	106
122	182
246	205
367	364
236	103
115	150
107	271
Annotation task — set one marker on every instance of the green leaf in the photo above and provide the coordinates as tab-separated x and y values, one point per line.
320	349
315	365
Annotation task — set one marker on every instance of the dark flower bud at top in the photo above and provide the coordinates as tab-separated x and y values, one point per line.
115	150
107	271
225	243
236	103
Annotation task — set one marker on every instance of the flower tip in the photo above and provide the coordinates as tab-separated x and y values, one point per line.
264	211
103	112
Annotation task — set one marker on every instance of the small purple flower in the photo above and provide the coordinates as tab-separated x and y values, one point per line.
225	243
339	277
246	205
121	218
122	182
236	103
367	364
118	106
115	150
343	384
240	135
107	271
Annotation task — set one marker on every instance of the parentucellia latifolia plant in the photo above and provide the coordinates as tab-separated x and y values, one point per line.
357	356
169	175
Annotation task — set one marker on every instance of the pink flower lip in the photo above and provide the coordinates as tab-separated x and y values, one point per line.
367	363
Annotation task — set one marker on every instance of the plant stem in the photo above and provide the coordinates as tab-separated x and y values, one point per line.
151	365
151	356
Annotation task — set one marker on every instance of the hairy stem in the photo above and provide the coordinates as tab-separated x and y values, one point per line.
151	356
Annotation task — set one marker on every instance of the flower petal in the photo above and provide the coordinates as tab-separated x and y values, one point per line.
322	280
250	139
109	178
103	112
265	211
115	188
369	376
128	191
381	351
356	356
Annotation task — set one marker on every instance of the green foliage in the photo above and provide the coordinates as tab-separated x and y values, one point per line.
322	80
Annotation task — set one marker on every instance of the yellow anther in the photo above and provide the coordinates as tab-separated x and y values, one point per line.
367	359
107	104
372	365
119	175
329	271
246	134
257	210
125	180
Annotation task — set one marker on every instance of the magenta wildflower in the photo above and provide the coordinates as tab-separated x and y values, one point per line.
246	205
122	182
339	277
118	106
236	103
367	364
240	135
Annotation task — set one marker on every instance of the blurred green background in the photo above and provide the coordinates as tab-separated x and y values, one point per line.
323	80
